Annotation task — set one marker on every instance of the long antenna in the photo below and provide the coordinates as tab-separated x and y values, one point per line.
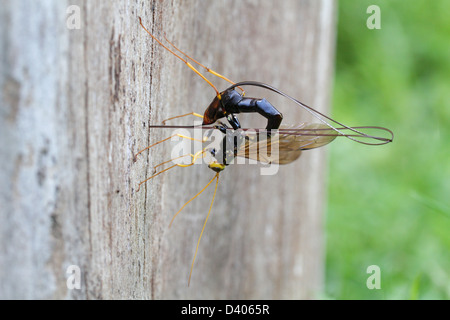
179	57
181	209
204	224
319	115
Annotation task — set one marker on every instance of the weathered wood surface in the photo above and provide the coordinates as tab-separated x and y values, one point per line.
75	107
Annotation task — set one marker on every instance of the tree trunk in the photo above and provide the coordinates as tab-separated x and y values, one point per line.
77	100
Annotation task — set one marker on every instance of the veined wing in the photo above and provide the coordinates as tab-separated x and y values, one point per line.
287	144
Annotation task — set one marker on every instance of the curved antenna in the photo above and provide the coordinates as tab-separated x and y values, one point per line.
190	200
320	115
204	224
202	65
178	56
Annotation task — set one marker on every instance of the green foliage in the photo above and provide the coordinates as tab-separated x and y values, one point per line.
389	205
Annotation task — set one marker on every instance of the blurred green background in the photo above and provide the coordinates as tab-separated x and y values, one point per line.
390	205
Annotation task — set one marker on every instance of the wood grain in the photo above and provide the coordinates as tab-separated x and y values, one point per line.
76	106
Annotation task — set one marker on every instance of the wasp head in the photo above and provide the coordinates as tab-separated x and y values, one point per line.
214	112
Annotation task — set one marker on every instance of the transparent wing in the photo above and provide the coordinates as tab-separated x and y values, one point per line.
286	145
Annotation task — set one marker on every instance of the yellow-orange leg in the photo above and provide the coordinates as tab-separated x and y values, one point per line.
171	160
182	59
183	115
194	157
198	155
203	66
161	141
206	220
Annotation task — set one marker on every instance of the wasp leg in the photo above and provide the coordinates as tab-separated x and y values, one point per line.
183	115
206	220
233	121
163	140
194	157
203	66
171	160
182	59
222	127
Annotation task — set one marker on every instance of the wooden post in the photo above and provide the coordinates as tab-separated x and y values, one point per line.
81	82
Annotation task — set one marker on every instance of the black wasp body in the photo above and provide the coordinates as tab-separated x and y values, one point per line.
231	102
226	105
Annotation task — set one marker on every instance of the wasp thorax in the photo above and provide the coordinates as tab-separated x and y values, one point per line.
222	106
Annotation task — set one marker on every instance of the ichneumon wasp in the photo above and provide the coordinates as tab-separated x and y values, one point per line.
277	143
